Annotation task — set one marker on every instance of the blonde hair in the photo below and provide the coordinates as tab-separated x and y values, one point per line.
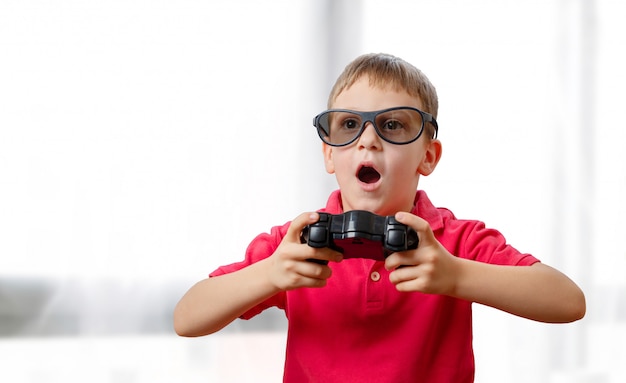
385	70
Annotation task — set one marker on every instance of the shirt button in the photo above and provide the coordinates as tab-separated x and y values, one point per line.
375	276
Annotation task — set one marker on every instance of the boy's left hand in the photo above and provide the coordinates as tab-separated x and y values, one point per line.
429	269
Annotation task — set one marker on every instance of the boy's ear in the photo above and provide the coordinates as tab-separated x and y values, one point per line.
431	158
328	158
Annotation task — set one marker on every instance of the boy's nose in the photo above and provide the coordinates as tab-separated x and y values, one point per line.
369	138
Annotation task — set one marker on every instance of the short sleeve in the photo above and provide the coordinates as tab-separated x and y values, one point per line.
260	248
483	244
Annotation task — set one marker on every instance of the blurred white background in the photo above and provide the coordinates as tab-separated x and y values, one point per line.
145	143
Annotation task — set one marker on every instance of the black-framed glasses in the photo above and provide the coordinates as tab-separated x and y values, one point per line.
400	125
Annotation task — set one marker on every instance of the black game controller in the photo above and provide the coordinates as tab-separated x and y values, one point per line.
360	234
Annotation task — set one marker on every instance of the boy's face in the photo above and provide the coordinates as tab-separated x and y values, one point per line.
373	174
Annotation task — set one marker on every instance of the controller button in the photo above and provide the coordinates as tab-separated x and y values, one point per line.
395	238
317	234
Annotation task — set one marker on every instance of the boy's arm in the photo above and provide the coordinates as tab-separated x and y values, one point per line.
213	303
537	292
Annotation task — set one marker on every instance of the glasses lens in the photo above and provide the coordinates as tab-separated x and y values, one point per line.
400	126
338	128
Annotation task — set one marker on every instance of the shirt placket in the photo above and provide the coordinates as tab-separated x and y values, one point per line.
375	286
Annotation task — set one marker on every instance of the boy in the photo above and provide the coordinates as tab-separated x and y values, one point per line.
374	320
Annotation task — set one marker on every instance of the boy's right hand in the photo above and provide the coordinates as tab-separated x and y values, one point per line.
289	266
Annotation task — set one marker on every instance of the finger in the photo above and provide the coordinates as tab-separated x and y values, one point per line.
411	279
401	275
323	255
401	259
315	271
305	274
299	223
421	226
317	255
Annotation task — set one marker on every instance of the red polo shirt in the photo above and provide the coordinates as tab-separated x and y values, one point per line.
359	328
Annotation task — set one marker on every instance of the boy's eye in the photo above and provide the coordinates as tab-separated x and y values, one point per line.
392	125
350	124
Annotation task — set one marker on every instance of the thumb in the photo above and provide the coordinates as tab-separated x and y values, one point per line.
422	228
298	224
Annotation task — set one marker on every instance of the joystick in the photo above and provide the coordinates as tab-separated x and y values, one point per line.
360	234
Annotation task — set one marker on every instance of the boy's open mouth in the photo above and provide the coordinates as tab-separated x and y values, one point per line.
368	175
